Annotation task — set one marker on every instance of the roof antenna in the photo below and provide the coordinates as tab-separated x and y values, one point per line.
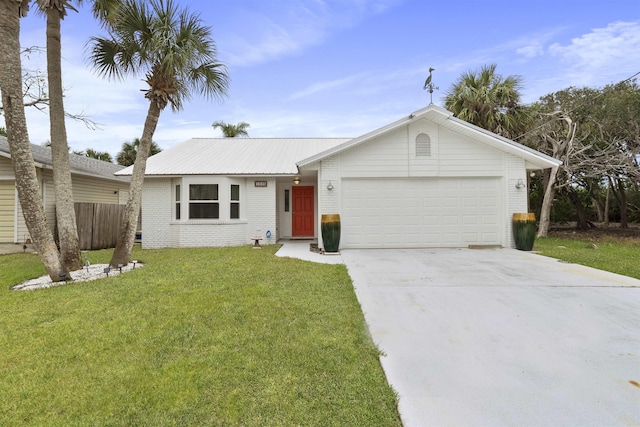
429	85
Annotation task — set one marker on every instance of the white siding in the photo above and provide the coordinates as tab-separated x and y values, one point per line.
517	198
385	156
260	205
202	233
328	200
459	156
394	155
156	213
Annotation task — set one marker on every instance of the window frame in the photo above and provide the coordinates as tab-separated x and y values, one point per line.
177	202
234	202
213	202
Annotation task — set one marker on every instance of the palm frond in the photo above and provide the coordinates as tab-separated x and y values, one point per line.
169	45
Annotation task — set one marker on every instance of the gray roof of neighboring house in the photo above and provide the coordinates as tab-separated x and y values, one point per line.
236	156
80	165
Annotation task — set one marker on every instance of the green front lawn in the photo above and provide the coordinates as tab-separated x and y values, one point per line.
229	336
620	256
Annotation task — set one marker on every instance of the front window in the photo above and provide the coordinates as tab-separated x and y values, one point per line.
178	202
235	202
203	201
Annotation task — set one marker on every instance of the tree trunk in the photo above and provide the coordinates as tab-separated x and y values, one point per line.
597	204
621	198
622	202
127	231
65	212
18	137
598	207
606	205
547	201
582	222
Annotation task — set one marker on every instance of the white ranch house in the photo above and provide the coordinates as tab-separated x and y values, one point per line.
426	180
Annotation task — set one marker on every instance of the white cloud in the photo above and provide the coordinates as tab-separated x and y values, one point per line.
532	45
327	85
613	50
532	50
602	46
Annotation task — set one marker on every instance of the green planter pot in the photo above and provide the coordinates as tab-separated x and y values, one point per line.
524	230
330	224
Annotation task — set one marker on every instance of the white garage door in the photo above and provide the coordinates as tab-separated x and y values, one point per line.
7	197
406	213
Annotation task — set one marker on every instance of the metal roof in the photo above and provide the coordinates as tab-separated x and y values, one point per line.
235	156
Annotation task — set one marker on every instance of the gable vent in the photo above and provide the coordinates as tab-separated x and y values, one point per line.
423	145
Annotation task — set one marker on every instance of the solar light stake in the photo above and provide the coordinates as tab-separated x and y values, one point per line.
63	276
134	263
107	270
120	267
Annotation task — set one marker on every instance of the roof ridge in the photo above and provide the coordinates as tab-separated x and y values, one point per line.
274	137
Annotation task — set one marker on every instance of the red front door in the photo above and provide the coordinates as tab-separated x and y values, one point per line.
303	212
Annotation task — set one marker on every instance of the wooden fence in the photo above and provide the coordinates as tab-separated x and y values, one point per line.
98	224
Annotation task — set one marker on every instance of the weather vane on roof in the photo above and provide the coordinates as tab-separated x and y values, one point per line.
429	85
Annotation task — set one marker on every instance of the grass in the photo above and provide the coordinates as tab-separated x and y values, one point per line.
617	255
228	336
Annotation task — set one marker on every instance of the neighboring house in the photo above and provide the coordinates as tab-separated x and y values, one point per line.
426	180
93	181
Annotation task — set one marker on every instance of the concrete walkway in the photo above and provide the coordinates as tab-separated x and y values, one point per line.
14	248
300	249
502	337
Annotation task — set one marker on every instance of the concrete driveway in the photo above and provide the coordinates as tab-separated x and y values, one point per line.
501	337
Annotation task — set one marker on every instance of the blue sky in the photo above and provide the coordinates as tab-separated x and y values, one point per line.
322	68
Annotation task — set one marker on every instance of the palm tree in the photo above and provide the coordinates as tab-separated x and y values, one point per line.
27	185
129	152
65	213
175	52
55	11
487	100
231	131
99	155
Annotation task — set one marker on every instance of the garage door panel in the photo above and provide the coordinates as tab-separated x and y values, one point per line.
451	212
450	202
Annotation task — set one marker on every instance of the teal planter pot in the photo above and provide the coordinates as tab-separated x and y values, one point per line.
330	224
524	230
